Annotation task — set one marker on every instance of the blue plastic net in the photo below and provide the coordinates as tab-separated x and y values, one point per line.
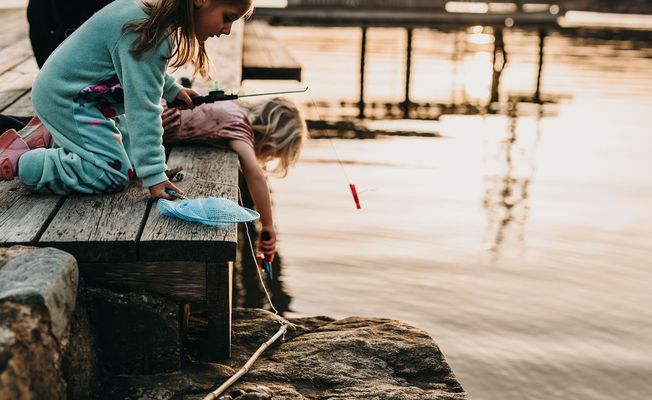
214	211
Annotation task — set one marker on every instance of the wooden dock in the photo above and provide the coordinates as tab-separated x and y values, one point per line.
401	17
265	57
120	240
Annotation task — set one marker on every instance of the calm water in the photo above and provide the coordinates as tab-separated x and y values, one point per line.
521	244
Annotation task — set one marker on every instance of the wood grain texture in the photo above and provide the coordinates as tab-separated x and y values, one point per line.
22	106
184	282
14	54
23	215
9	97
99	228
208	172
20	76
14	26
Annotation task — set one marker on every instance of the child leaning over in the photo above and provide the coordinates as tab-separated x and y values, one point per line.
112	69
272	130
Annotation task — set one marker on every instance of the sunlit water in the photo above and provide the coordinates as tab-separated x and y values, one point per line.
528	260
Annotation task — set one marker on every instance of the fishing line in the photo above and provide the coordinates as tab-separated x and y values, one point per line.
337	156
253	254
251	248
284	324
352	187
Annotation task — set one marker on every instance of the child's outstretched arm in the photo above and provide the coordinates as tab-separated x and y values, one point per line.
257	185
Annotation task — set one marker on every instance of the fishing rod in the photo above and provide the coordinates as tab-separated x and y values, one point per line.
219	95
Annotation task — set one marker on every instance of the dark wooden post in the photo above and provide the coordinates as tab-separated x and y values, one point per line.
537	92
500	60
363	51
408	74
218	298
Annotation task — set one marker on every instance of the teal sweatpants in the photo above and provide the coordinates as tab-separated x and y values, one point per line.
89	153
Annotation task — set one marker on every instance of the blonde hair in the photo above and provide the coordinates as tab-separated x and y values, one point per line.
176	19
280	131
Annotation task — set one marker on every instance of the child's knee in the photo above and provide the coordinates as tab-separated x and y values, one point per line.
30	168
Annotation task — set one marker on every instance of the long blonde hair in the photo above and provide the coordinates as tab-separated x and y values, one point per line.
176	19
280	131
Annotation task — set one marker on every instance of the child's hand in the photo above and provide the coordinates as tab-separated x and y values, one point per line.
185	95
158	191
171	120
267	242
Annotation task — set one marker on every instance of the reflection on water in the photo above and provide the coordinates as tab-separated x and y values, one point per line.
520	239
507	184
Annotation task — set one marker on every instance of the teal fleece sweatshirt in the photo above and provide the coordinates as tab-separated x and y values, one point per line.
95	52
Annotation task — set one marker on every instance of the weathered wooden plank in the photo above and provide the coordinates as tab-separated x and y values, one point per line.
184	282
22	106
23	215
14	54
20	76
9	97
265	57
99	228
209	172
219	276
14	26
14	83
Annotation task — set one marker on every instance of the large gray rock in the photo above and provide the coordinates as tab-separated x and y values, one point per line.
353	358
38	288
43	278
47	350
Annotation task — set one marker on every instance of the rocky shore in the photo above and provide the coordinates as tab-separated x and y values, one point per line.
58	342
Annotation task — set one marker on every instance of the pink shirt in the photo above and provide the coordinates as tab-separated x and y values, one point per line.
214	123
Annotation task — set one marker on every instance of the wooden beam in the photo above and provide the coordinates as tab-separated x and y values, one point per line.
217	343
405	18
184	282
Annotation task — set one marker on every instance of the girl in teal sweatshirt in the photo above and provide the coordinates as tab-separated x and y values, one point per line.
112	68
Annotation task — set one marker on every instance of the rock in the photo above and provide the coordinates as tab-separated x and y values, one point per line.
47	349
353	358
137	332
38	288
9	253
42	278
29	355
193	378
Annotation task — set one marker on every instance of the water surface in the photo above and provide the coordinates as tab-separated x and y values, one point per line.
521	243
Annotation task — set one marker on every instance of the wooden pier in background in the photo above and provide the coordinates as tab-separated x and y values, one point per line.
265	57
433	15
